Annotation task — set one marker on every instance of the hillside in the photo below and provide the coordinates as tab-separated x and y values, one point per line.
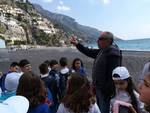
69	25
22	22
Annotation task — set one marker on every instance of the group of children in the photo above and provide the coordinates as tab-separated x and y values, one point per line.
67	90
54	78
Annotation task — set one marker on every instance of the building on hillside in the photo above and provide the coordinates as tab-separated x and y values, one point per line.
15	32
2	16
46	26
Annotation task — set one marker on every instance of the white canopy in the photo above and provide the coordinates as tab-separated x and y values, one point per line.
2	44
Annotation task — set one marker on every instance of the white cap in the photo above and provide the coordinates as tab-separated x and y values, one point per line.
122	72
14	104
11	81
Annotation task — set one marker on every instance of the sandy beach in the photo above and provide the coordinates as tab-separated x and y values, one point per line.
133	60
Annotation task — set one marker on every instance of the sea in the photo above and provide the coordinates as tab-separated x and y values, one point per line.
136	45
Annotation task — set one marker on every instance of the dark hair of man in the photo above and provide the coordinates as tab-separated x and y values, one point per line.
79	95
74	61
32	87
53	62
63	61
43	68
13	64
23	62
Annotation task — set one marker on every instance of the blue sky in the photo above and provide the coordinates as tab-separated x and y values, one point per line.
127	19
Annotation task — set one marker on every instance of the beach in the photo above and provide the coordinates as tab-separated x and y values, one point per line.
133	60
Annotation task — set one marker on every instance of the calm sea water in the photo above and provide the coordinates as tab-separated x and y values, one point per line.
139	45
142	44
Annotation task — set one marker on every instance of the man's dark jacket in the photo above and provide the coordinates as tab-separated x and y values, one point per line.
105	61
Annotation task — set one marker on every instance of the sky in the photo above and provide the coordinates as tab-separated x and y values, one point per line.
126	19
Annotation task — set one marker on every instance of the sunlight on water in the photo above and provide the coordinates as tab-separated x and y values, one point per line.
138	45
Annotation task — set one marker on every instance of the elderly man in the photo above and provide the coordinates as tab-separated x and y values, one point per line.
106	58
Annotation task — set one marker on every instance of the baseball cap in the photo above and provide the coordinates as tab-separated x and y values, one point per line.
11	81
14	104
122	73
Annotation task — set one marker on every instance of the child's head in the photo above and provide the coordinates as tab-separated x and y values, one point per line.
78	88
121	78
75	82
124	82
25	65
63	61
54	64
77	63
144	89
48	63
32	87
43	68
14	67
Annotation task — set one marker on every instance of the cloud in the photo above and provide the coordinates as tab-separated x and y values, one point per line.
99	1
106	1
48	1
62	7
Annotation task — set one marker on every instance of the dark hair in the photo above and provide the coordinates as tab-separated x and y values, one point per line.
23	62
74	61
130	90
79	95
47	62
147	106
32	87
53	62
13	64
63	61
43	68
116	75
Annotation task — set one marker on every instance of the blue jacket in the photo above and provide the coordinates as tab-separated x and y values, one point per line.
42	108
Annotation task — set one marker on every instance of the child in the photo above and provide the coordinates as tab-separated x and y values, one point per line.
10	84
79	97
44	73
125	90
64	74
25	66
48	63
32	87
77	66
14	68
55	79
144	89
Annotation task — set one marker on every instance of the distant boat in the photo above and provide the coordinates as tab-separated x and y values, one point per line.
2	43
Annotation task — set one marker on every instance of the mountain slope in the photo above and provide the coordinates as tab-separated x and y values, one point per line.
69	25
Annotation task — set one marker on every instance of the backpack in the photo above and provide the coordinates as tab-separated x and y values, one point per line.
2	82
